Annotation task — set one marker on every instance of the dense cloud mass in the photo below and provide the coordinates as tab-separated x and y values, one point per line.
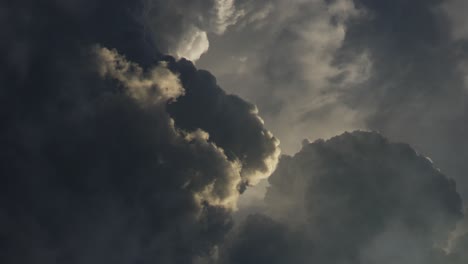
94	168
356	198
116	148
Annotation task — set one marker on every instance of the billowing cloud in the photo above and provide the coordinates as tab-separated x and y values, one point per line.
192	45
289	68
98	163
113	180
158	86
243	136
114	152
356	198
318	68
181	27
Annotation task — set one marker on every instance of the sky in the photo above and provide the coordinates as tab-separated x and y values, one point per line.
233	131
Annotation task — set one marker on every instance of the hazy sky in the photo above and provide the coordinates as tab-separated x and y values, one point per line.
233	131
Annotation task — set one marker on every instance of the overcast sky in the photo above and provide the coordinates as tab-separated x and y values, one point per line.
233	131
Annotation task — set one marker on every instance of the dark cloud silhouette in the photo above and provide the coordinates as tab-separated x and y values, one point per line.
243	136
93	167
356	198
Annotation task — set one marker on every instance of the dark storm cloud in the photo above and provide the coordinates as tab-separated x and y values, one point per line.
113	152
108	181
93	167
242	137
356	198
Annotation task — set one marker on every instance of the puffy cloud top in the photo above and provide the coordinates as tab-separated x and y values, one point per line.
356	198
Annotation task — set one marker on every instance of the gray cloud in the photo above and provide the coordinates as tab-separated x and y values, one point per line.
356	198
261	239
115	152
284	53
94	167
243	137
317	68
417	83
